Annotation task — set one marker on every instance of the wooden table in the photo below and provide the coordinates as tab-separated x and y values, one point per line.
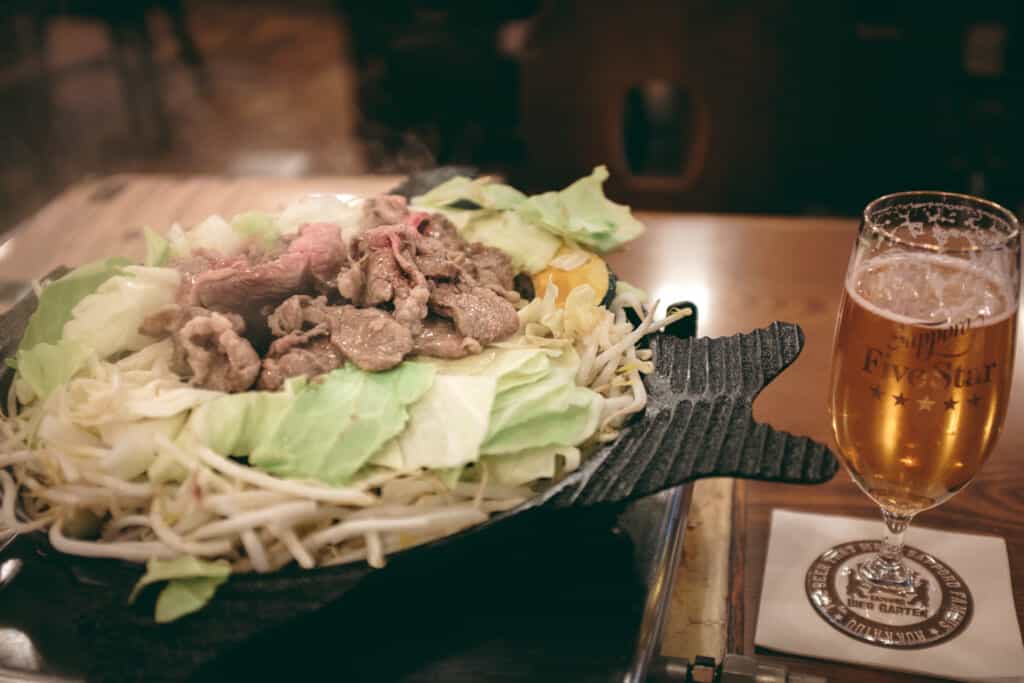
743	272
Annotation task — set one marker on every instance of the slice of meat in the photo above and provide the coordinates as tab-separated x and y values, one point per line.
299	313
217	356
387	273
369	337
250	288
382	274
389	209
316	338
439	339
436	259
311	359
490	267
324	249
411	307
476	311
169	321
440	228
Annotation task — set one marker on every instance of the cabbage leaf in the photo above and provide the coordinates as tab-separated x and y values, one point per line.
258	225
530	230
325	431
529	247
107	321
321	208
537	402
524	467
183	596
158	249
61	296
191	584
583	214
445	428
45	367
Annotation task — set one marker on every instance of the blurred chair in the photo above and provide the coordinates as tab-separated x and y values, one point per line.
692	105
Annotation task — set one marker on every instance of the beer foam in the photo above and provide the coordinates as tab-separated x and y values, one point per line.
945	225
931	290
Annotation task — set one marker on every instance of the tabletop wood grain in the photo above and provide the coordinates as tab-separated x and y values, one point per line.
743	272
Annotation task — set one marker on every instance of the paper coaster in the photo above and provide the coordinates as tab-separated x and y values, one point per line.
958	621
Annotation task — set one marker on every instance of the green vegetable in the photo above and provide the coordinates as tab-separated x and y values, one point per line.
325	430
531	229
45	366
158	249
245	231
107	321
95	309
60	297
479	191
529	246
583	214
257	225
132	444
550	412
445	428
192	583
537	402
524	467
184	596
322	208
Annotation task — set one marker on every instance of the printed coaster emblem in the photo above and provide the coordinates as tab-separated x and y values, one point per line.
936	609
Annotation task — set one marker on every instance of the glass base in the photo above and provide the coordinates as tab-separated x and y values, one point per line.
872	600
886	575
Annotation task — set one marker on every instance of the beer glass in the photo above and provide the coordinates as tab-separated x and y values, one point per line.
923	356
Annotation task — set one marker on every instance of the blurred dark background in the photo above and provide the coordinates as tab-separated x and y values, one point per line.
780	106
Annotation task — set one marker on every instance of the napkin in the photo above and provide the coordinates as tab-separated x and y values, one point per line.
988	648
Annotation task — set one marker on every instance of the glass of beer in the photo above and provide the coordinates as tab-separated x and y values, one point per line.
923	356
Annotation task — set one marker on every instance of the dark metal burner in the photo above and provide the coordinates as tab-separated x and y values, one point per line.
698	423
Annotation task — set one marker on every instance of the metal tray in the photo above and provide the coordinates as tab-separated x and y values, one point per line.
621	561
590	609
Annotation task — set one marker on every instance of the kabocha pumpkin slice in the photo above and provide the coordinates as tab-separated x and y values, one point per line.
572	267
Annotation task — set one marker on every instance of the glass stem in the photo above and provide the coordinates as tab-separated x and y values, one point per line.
892	542
887	569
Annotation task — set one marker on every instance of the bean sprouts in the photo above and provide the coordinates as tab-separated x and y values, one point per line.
220	508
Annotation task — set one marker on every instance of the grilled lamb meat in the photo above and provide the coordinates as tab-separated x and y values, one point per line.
490	268
369	337
219	358
387	273
407	283
321	243
247	289
208	347
476	311
314	357
389	209
248	286
316	338
439	339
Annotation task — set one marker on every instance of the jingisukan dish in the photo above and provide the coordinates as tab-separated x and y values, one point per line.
326	384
